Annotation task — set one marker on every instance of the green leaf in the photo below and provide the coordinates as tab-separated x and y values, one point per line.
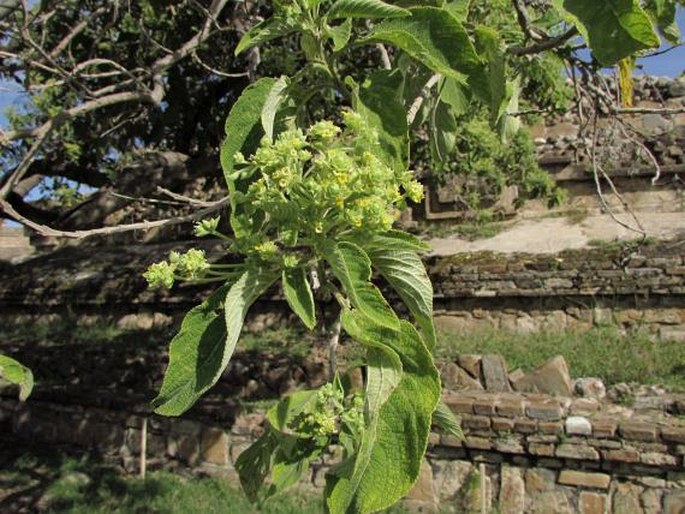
339	34
285	411
201	350
392	448
352	268
254	464
443	127
271	104
243	126
240	298
491	47
393	240
18	374
298	294
509	125
406	274
433	37
458	8
286	473
614	29
456	95
364	9
193	357
445	420
264	31
378	104
663	14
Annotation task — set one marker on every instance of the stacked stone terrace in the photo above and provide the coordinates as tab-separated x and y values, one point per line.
522	452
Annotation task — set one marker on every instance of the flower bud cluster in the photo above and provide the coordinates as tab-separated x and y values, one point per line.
319	183
191	265
330	410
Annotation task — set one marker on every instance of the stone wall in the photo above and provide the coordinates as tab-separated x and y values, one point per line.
562	149
522	453
14	243
632	286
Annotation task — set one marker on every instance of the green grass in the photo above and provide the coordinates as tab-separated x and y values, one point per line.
600	352
293	341
60	331
49	481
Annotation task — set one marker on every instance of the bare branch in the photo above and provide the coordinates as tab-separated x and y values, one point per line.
647	110
119	229
75	31
184	199
418	101
210	69
543	45
524	21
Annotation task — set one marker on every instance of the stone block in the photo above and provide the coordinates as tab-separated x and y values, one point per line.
214	446
478	443
651	500
674	502
486	456
673	434
639	431
545	410
627	455
484	407
626	500
592	503
584	479
659	459
512	494
495	376
604	428
188	449
510	445
576	451
525	426
510	407
456	379
503	424
551	502
475	422
539	480
578	425
449	476
552	378
584	406
542	449
459	404
551	427
472	364
423	490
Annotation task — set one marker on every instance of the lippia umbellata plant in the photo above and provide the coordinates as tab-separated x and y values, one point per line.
317	170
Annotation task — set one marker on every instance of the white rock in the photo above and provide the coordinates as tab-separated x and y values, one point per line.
578	425
590	387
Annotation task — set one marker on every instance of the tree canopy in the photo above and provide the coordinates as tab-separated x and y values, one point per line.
125	101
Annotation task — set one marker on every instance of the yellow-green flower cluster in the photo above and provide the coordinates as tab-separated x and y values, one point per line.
323	418
327	180
187	266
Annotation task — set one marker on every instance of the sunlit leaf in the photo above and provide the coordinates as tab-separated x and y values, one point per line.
18	374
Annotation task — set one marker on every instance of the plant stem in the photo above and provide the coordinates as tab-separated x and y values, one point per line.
333	340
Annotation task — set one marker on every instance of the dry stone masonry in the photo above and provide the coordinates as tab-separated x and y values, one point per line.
572	451
562	149
630	285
